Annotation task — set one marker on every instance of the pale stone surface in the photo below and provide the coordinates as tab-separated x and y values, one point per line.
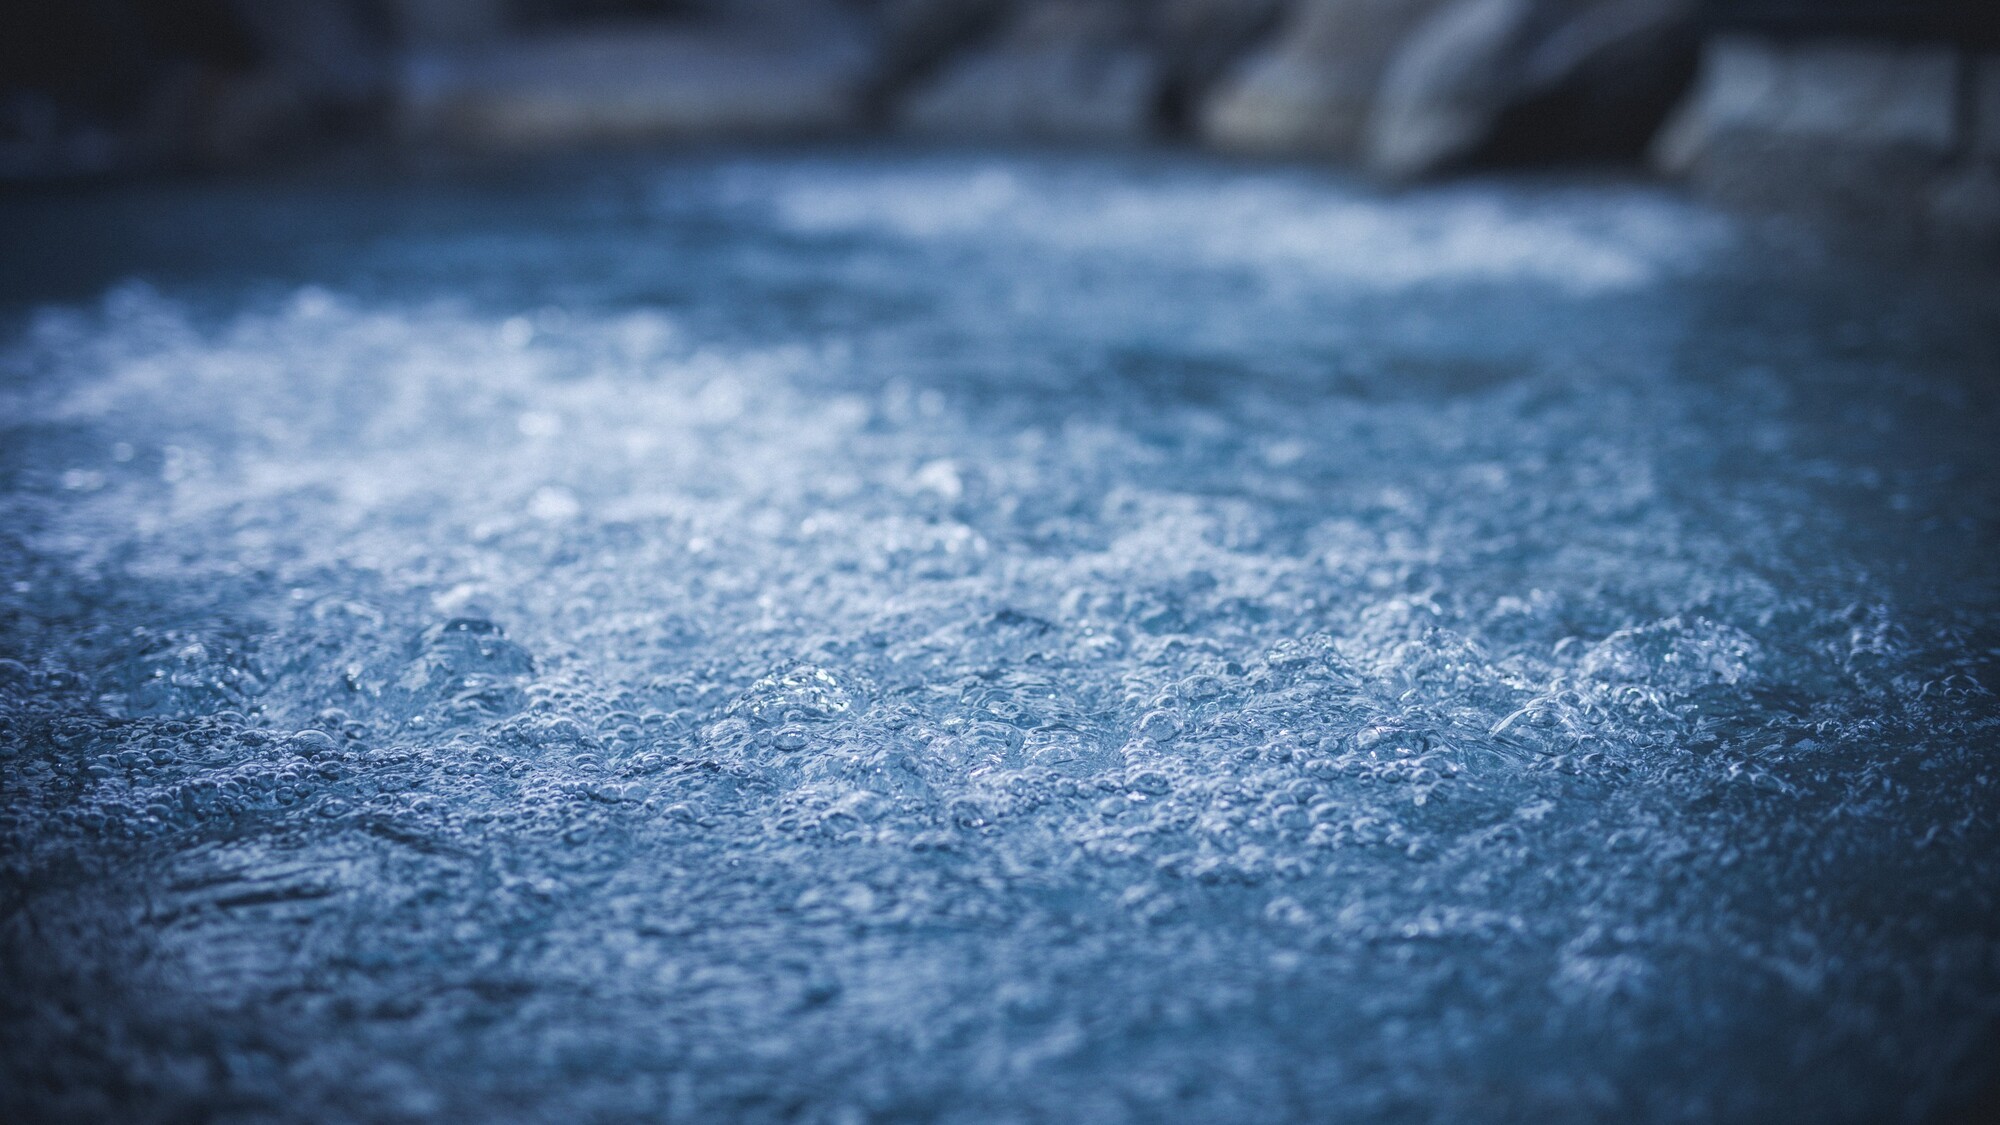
1871	94
1447	86
1311	91
1843	95
1199	42
1059	93
1739	85
1876	137
1057	72
1558	74
594	87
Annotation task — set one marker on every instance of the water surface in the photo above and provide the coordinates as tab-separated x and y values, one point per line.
884	637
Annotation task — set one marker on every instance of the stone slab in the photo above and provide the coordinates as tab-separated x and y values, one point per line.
586	87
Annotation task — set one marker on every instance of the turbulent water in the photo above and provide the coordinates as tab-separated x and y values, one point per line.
880	637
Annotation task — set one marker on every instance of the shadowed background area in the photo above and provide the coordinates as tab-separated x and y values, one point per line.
1882	117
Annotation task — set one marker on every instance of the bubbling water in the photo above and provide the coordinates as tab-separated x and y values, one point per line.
995	638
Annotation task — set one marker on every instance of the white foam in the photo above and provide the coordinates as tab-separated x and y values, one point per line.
1285	223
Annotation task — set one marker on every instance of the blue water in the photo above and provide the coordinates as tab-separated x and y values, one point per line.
883	637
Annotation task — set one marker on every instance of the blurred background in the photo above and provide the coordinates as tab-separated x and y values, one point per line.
1880	115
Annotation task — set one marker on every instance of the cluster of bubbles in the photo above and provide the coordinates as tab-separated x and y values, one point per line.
1505	709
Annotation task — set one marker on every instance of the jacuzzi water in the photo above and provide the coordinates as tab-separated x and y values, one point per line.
977	638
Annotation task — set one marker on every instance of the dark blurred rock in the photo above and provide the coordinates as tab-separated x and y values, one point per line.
1311	90
125	85
433	23
1963	211
41	138
1968	23
1053	72
1985	126
316	44
1600	81
319	74
1530	79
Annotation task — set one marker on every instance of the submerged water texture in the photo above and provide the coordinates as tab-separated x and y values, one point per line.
987	639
